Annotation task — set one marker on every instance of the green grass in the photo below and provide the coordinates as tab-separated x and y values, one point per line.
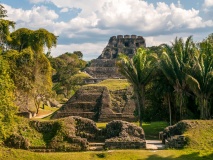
35	138
113	84
200	134
101	125
152	129
48	108
13	154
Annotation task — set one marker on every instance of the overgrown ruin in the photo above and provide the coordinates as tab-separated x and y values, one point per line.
104	66
76	134
99	104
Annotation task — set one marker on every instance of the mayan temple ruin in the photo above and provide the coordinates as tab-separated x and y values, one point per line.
99	104
96	102
104	66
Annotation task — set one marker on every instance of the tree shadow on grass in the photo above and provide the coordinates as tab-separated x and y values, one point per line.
192	156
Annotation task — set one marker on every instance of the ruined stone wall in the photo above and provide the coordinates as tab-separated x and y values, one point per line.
172	135
123	135
75	134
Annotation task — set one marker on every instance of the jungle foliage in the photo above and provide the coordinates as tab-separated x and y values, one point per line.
173	82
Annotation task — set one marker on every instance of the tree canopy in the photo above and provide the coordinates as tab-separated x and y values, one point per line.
138	71
67	77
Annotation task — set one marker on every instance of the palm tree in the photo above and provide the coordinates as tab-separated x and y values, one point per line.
165	90
138	71
5	28
172	63
200	78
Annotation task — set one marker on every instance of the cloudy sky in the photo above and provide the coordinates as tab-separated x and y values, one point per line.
87	25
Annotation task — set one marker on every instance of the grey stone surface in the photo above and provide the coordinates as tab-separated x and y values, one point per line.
104	66
124	135
99	104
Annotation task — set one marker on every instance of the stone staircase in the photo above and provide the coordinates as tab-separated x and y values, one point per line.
93	146
41	149
154	145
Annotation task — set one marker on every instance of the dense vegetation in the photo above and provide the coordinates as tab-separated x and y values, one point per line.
26	81
67	76
178	77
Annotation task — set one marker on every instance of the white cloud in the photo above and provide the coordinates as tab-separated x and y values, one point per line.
35	18
123	15
208	3
161	39
89	50
104	18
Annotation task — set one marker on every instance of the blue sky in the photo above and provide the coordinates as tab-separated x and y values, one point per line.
87	25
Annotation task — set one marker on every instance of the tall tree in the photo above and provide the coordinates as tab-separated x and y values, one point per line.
7	107
38	40
200	77
20	39
42	38
3	12
31	63
173	61
67	77
138	71
4	28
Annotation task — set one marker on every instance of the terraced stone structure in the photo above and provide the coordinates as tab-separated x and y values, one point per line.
104	66
99	104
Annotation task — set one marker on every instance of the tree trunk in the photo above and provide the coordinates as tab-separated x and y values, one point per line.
37	103
143	101
205	110
170	110
138	109
140	96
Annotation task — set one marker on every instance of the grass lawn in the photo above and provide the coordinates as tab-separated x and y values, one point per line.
12	154
113	84
152	129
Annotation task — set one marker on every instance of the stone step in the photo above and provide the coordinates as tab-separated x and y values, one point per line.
153	141
42	150
96	146
154	145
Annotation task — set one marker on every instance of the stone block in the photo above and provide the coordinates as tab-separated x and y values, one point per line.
126	36
119	36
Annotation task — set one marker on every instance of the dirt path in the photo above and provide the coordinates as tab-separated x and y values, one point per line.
43	115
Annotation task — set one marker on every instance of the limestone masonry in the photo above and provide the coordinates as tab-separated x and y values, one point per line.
104	66
99	104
